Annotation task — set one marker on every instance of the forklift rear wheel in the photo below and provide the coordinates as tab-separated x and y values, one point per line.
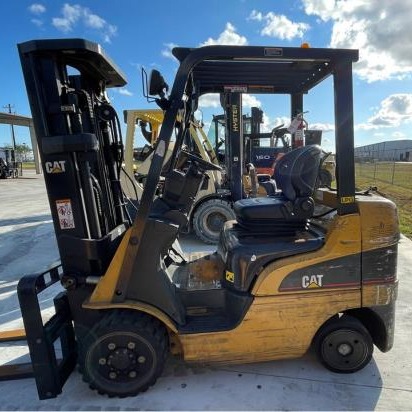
210	217
344	345
124	353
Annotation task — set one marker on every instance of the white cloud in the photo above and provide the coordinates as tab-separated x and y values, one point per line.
248	101
75	14
94	21
255	15
167	52
209	100
325	127
37	8
71	15
125	92
228	37
398	135
269	124
279	26
393	111
37	22
213	100
381	32
325	9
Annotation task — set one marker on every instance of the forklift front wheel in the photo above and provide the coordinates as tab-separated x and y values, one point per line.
344	345
209	218
124	353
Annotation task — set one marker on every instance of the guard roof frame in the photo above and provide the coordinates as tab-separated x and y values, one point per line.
191	82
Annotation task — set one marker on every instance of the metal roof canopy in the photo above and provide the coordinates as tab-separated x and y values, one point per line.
279	70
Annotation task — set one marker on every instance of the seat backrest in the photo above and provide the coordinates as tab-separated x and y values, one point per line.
297	171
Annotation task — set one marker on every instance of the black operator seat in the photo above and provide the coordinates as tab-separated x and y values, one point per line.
289	209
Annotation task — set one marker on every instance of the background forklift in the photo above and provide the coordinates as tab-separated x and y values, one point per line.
9	167
263	149
280	280
213	204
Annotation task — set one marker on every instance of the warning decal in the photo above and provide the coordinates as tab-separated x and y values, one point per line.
230	276
65	213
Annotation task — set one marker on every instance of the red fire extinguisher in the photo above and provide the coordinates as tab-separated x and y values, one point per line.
296	128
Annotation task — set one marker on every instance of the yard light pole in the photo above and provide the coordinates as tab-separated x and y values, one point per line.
13	155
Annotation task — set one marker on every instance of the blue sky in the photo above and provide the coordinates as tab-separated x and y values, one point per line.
141	33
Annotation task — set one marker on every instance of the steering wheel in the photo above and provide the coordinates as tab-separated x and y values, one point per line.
203	164
279	131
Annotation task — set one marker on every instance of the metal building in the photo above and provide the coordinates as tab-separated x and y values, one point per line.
395	150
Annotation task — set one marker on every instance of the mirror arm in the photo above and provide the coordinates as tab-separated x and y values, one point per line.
163	103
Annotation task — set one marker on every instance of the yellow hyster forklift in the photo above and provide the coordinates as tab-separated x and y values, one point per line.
282	279
213	204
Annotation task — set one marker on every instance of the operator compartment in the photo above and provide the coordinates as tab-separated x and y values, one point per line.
276	226
216	289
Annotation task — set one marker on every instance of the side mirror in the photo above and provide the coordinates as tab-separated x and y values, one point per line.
157	84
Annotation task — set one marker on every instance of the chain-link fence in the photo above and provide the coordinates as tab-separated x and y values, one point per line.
395	173
393	179
389	162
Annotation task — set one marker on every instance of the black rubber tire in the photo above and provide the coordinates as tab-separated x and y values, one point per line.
209	218
325	178
344	334
124	353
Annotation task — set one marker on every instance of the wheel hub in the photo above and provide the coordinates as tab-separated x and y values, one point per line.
121	359
216	221
121	356
345	349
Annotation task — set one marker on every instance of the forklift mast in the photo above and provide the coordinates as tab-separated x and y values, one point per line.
80	146
234	143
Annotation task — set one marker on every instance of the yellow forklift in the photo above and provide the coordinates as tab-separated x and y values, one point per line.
282	279
213	204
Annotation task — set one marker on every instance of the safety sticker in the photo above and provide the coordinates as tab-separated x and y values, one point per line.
230	276
65	213
347	199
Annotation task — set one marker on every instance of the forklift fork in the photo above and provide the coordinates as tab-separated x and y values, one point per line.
49	371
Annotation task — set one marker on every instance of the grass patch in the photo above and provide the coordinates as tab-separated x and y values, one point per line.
400	192
28	165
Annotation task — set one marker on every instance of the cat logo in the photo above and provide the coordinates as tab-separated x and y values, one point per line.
230	277
312	282
58	166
